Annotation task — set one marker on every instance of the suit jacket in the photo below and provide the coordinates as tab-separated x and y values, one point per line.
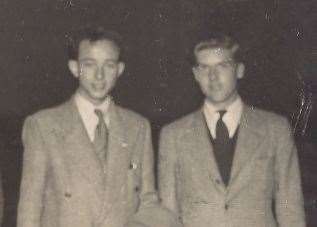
265	169
64	183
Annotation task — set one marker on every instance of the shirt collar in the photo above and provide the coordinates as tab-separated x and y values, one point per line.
231	117
87	112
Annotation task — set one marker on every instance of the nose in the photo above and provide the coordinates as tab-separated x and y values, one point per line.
99	74
212	74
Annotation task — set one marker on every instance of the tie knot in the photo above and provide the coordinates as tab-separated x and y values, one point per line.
221	113
99	113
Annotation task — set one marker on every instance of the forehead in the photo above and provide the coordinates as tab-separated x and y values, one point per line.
101	49
213	55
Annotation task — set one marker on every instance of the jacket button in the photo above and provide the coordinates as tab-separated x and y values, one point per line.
226	206
67	195
132	165
137	189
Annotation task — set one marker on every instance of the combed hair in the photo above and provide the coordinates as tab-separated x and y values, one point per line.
222	42
92	34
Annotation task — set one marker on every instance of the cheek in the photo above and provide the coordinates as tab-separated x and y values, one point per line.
110	77
203	81
110	81
229	80
87	72
86	75
108	71
233	83
84	80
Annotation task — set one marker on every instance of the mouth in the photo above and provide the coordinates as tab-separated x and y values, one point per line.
99	86
215	87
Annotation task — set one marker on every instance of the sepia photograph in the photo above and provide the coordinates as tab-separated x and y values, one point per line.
158	113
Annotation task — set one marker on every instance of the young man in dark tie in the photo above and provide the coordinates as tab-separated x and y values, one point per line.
226	164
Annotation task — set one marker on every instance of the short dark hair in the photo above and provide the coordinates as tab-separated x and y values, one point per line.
92	34
219	41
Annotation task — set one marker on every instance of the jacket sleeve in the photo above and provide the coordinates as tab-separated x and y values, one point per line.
167	171
33	176
288	190
150	212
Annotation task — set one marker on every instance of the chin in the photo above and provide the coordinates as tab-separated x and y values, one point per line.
216	99
98	97
99	94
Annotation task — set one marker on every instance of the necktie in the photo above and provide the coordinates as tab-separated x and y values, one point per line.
101	135
222	134
222	149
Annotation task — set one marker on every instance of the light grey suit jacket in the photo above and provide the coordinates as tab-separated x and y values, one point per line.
265	169
64	183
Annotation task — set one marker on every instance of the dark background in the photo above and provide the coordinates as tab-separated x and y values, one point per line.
277	38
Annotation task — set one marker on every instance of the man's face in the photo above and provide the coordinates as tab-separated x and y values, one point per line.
217	74
97	69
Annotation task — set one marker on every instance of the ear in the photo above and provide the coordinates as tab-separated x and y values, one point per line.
121	67
196	74
234	48
73	67
240	70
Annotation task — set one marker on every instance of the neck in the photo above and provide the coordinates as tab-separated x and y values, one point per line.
224	104
95	102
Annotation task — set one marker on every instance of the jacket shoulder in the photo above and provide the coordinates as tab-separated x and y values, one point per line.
182	123
131	117
49	113
269	119
42	121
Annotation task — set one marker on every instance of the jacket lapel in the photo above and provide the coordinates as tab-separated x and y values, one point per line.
249	139
196	140
81	154
117	162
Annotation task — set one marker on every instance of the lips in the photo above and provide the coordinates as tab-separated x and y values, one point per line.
215	87
99	86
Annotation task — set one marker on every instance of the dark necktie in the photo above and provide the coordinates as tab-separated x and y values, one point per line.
222	134
101	135
222	149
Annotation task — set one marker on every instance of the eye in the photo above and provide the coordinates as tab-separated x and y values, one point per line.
88	64
202	67
224	65
110	65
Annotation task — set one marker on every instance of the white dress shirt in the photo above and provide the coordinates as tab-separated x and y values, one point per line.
231	117
87	112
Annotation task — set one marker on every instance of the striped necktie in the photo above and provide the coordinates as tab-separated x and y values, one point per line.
101	135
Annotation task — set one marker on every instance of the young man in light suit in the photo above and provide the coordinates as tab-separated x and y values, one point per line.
89	162
226	164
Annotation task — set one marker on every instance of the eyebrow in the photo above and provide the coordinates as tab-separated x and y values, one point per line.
226	61
86	59
93	60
